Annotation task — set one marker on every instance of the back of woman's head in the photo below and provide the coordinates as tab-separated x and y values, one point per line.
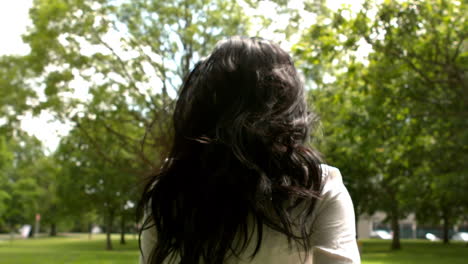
239	159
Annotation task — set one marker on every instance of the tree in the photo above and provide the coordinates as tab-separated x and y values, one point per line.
51	206
132	53
400	106
129	57
15	93
20	191
6	158
433	86
108	186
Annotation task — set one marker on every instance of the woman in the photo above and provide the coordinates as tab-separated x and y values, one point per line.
240	184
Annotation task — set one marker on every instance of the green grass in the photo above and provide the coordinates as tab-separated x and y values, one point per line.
78	249
413	251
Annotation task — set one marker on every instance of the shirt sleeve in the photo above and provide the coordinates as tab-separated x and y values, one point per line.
148	240
334	230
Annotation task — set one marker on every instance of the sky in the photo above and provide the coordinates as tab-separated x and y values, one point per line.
14	20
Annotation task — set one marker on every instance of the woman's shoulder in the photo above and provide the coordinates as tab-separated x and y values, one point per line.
330	172
334	234
331	179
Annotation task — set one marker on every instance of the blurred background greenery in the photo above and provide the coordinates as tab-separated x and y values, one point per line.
388	80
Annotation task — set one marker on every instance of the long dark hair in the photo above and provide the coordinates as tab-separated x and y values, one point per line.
239	159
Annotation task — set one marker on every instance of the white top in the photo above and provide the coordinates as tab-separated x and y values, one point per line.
333	237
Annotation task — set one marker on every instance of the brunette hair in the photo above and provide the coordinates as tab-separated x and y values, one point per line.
239	160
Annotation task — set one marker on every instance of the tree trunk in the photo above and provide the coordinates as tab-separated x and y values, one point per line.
12	233
90	231
53	229
445	219
356	218
110	220
31	232
395	216
122	229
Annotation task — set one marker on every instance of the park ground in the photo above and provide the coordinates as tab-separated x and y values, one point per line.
78	249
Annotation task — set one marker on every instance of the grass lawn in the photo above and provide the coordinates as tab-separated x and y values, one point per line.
77	249
414	251
74	249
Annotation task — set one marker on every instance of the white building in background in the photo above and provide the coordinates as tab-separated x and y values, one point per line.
369	223
369	226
